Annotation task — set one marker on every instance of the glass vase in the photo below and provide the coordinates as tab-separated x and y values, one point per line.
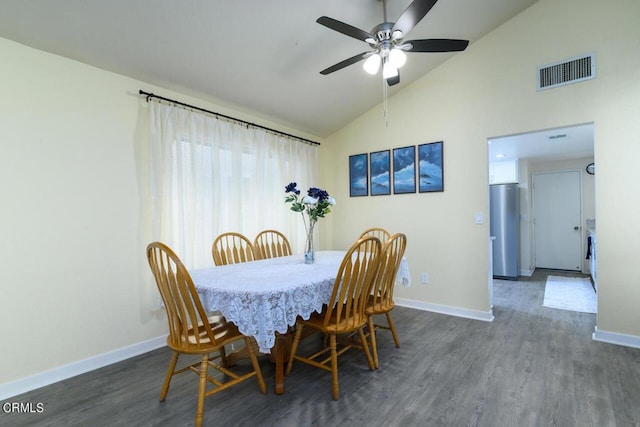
309	251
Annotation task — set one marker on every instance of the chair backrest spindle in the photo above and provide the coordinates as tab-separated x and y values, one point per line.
271	244
180	298
384	283
353	282
379	232
232	248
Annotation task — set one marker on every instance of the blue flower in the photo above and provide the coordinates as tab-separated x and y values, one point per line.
291	188
319	194
316	204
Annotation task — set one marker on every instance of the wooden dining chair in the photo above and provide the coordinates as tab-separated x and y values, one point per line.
232	248
378	232
381	297
190	332
271	244
344	314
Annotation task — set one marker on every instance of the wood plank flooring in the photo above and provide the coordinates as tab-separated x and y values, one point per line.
532	366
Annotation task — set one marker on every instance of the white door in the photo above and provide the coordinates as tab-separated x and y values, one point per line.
557	220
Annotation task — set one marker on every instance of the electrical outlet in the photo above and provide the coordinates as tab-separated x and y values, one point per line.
424	278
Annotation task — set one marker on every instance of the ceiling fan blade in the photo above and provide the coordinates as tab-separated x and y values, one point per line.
412	15
394	80
340	65
343	28
437	45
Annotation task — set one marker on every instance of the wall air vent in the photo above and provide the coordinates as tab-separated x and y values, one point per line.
569	71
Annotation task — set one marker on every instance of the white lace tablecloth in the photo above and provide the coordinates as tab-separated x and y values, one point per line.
264	297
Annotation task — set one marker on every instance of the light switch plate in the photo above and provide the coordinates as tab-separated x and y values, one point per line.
479	218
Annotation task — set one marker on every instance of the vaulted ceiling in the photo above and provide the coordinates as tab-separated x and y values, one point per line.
261	57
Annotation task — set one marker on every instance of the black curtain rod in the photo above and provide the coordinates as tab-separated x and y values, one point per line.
173	101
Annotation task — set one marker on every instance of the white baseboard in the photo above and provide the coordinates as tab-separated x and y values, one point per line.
527	273
486	316
616	338
54	375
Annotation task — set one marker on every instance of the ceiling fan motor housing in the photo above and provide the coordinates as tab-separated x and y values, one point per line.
384	36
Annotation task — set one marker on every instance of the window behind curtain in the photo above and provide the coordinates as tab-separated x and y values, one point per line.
211	176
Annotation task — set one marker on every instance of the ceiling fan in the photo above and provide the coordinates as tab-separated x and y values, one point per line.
387	41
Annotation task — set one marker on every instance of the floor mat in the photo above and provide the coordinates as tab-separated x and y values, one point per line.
570	293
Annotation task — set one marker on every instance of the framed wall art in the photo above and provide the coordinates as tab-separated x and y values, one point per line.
358	175
430	167
380	170
404	170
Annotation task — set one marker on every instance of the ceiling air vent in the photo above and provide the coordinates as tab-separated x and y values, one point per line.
570	71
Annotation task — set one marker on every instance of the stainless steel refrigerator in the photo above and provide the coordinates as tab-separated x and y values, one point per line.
505	230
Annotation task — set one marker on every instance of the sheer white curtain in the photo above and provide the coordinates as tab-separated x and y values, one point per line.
210	176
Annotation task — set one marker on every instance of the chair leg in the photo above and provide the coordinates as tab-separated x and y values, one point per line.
393	329
223	357
374	345
334	366
294	348
256	365
365	347
167	379
202	387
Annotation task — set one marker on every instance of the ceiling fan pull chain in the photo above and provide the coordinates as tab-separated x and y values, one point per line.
385	111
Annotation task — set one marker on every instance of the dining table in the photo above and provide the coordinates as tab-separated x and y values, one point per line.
263	298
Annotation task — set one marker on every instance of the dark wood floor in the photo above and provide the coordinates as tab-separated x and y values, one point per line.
532	366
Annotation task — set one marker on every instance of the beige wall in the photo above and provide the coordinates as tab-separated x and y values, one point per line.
75	214
490	90
72	215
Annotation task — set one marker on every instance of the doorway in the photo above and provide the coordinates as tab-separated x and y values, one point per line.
557	219
550	150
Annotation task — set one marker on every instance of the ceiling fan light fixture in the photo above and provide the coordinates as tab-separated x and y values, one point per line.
388	70
372	64
397	57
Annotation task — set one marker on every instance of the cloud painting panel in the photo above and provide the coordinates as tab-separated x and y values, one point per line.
430	167
404	170
358	185
380	163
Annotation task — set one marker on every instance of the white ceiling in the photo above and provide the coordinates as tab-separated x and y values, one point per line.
571	142
256	56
